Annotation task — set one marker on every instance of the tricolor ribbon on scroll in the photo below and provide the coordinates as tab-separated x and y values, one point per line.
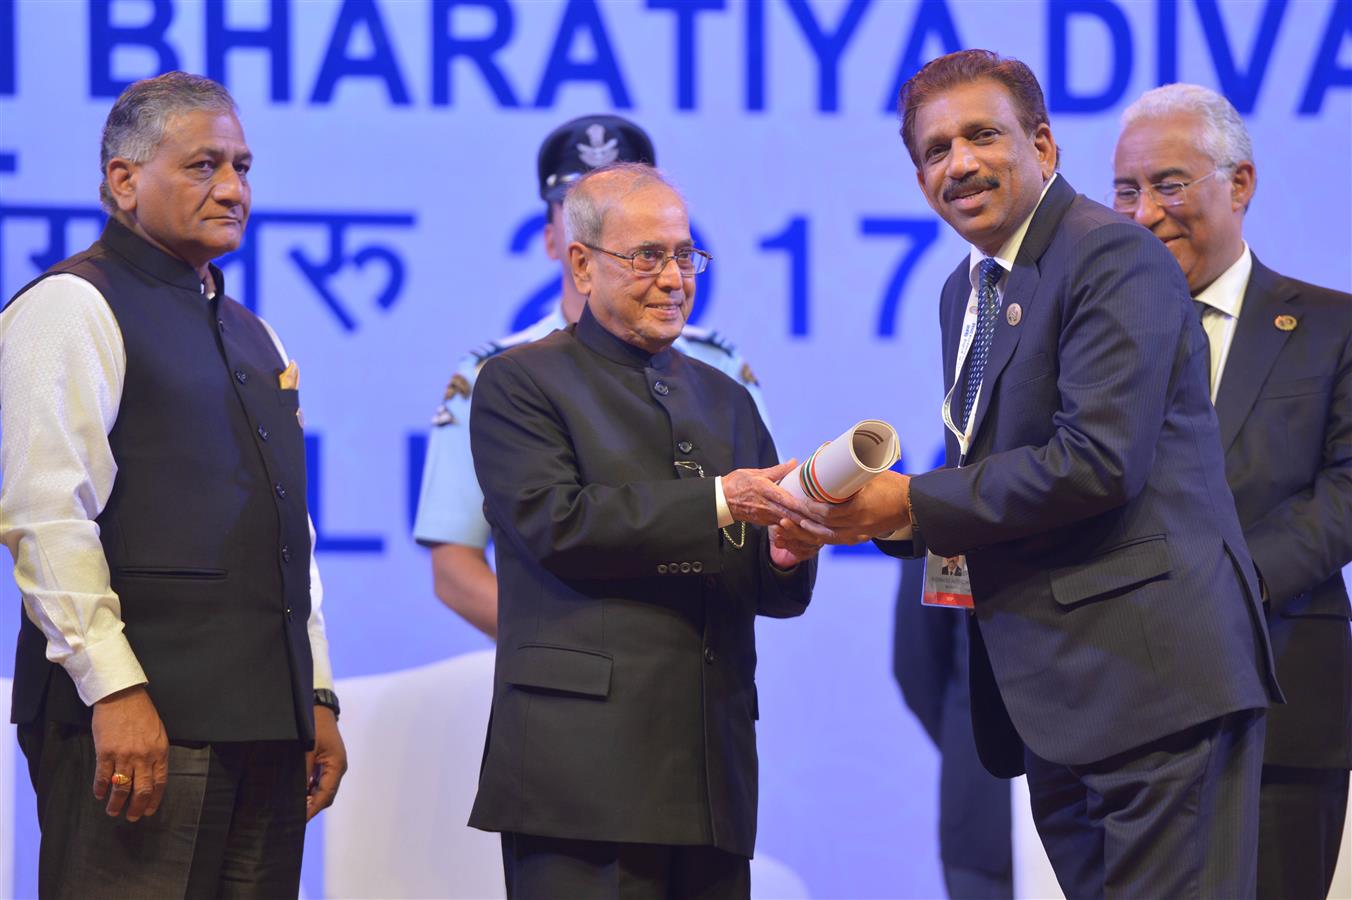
838	469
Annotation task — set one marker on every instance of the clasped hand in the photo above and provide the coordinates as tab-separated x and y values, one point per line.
799	528
879	509
754	495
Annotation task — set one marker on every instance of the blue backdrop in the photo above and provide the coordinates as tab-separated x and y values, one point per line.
396	225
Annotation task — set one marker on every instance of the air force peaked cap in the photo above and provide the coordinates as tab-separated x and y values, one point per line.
586	143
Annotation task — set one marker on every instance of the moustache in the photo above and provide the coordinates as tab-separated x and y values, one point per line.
970	185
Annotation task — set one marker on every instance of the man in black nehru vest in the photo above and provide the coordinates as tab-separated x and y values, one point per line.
172	686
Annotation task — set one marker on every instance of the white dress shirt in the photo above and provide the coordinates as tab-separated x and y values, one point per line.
1005	256
1224	298
62	365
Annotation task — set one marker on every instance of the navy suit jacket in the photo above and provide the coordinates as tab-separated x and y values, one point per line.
1115	601
1285	408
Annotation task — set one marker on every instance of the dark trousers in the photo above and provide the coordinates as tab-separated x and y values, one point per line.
1300	829
973	884
544	868
232	822
1176	818
976	825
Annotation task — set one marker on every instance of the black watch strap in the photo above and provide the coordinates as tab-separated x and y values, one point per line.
326	697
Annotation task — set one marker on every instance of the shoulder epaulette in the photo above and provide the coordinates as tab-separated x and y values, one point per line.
707	336
485	352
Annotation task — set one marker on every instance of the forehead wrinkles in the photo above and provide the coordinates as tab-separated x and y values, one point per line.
205	131
1157	153
646	212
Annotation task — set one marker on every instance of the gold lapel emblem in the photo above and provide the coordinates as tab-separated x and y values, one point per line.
748	377
1014	314
1285	323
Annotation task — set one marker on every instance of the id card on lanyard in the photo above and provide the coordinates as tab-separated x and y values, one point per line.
946	582
946	579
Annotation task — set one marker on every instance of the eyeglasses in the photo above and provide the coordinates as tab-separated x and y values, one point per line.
1163	193
651	261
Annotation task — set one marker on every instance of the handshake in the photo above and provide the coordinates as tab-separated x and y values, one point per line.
843	494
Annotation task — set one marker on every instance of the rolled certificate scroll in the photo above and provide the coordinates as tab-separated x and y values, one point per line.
838	469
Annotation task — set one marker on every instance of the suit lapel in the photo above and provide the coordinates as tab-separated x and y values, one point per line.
952	307
1253	350
1021	288
953	300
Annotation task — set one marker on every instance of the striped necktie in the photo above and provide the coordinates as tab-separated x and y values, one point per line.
987	306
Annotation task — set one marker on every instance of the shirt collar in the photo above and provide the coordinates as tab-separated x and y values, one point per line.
1226	293
593	335
1010	251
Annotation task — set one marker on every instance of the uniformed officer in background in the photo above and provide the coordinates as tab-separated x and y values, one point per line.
450	517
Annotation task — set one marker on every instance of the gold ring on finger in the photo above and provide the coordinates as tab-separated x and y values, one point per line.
121	779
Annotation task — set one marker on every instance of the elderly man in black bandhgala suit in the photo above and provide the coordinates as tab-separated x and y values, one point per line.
627	485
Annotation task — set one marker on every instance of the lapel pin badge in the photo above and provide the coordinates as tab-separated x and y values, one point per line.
1285	323
1014	315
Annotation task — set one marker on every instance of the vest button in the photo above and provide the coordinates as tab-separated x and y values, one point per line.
661	388
685	446
286	553
241	376
289	615
709	655
263	432
281	491
220	323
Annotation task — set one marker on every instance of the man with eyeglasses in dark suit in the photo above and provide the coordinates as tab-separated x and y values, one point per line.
1281	380
621	757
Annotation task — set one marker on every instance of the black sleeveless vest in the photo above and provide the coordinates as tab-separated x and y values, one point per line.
205	531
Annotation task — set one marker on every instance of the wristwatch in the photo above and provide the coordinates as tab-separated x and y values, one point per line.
326	697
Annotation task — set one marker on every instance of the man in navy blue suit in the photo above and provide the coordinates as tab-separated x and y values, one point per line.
1281	379
1118	652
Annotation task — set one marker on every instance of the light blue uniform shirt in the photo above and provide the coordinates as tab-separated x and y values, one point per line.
450	504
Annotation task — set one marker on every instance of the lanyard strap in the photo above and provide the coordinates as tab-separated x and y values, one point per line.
964	347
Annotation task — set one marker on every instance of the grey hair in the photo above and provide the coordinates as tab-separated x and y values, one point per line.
1223	138
591	196
136	123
